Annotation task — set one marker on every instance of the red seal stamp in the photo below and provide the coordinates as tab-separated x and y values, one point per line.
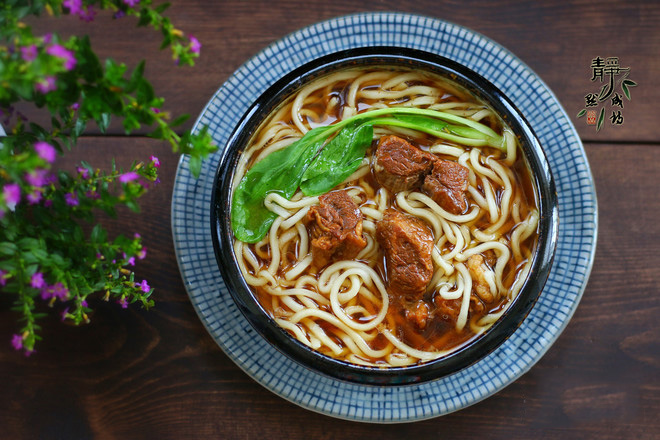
591	117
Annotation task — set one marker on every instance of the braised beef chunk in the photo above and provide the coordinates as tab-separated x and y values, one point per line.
447	185
335	225
407	243
399	165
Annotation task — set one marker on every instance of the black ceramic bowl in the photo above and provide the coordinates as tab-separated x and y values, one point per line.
298	352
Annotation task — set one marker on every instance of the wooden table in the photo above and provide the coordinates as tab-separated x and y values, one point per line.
158	374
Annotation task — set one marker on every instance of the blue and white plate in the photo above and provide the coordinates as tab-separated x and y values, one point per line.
573	261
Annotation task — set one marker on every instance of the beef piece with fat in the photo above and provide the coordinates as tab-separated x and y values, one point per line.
447	185
335	226
407	243
399	166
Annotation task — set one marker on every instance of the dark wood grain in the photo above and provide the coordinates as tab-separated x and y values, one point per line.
135	374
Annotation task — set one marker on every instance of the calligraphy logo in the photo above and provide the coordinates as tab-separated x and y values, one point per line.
607	72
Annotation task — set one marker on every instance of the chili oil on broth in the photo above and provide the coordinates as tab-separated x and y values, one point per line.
343	310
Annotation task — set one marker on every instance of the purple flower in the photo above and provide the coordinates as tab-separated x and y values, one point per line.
74	6
84	172
51	178
119	14
64	313
12	195
34	197
75	106
87	14
155	110
45	151
155	161
91	194
3	277
60	291
83	303
37	280
144	286
142	253
55	291
60	51
123	303
37	178
47	85
132	3
127	177
48	38
29	53
17	342
71	199
195	45
48	203
131	261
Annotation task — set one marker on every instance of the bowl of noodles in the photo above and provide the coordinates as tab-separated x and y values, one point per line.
384	216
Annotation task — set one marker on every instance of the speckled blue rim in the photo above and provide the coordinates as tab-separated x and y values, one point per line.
573	259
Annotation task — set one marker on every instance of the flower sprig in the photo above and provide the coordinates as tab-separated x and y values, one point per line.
49	254
54	254
67	78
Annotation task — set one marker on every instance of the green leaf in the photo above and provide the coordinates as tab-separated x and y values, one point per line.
582	113
89	64
133	205
626	92
601	119
161	8
279	172
8	248
38	130
145	92
98	235
624	86
103	121
144	18
195	165
422	123
167	40
39	255
157	133
27	243
338	160
130	123
114	72
136	77
79	127
179	120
